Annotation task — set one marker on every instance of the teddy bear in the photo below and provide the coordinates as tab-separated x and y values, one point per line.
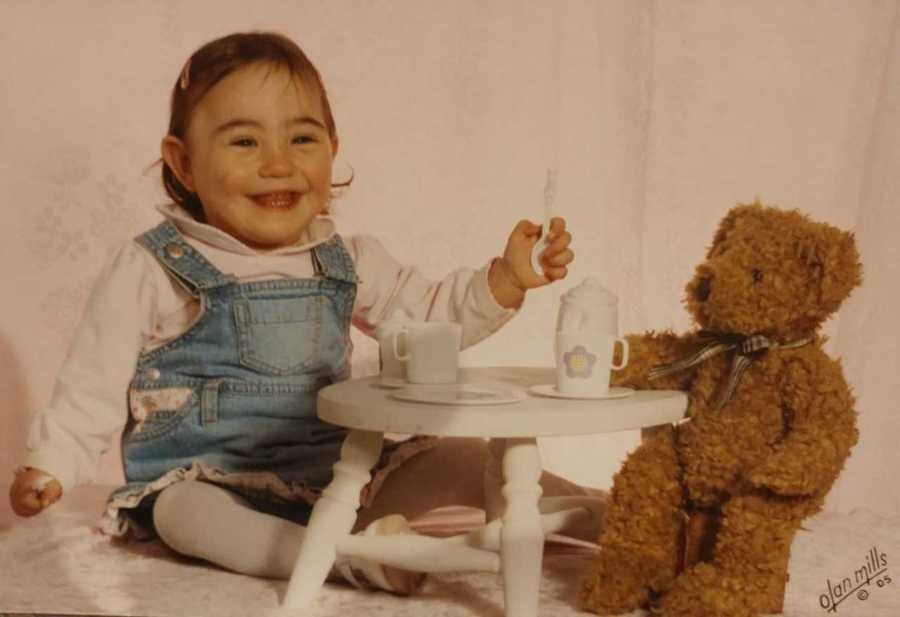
702	514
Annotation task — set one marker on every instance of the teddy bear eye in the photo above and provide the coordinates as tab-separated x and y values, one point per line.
757	275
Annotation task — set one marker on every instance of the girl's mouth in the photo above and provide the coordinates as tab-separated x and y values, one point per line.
277	201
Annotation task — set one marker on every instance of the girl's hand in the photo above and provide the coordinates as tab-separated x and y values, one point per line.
512	275
33	491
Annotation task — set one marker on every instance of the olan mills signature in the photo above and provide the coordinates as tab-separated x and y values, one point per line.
873	571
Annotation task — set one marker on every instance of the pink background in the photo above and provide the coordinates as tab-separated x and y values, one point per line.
659	115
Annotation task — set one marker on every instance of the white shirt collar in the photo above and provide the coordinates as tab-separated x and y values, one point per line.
320	230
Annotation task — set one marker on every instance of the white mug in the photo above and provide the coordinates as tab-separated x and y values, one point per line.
391	365
432	351
584	361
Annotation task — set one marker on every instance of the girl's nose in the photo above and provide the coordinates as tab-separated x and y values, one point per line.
276	163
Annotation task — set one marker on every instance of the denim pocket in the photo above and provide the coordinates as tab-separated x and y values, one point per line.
279	336
158	412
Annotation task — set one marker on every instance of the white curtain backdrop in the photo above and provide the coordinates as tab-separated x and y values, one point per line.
660	116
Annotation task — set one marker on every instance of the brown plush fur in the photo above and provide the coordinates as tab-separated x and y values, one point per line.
702	515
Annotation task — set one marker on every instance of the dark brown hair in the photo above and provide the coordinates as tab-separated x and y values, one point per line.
216	60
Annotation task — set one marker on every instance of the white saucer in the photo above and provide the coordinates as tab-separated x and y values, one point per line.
549	389
399	382
459	394
392	382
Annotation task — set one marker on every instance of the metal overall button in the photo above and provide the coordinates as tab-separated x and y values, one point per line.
174	251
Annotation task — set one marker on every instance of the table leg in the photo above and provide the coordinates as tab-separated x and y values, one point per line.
332	517
494	503
522	535
488	537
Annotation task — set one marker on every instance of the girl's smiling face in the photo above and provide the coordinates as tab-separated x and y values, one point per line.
258	154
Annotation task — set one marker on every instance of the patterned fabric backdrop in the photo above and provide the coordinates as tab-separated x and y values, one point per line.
659	115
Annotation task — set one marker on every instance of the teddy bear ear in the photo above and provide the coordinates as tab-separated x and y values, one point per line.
731	220
836	260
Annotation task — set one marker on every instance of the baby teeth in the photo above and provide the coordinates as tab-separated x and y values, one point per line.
276	200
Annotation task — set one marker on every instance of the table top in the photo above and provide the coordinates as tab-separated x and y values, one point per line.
365	404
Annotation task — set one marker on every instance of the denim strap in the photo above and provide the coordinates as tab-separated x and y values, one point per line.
335	260
178	257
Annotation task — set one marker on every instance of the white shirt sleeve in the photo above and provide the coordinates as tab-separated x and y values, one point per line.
463	296
88	407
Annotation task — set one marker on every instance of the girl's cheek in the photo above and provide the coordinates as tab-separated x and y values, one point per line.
221	178
236	173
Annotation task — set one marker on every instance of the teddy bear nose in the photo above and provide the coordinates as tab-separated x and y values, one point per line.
701	292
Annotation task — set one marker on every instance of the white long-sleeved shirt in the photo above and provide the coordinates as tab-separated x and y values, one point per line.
136	306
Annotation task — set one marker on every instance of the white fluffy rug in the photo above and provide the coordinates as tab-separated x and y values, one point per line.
56	564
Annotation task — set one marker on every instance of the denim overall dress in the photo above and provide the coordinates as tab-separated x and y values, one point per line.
233	400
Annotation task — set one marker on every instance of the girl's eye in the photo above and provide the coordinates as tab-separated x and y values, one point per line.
304	139
243	142
757	275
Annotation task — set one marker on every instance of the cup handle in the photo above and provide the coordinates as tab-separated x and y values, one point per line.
394	338
619	367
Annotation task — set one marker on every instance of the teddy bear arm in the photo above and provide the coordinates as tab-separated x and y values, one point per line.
652	349
820	431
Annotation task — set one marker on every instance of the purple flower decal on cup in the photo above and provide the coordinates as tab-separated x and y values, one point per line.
579	362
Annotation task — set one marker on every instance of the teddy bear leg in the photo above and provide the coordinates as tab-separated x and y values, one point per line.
640	545
756	544
748	572
699	536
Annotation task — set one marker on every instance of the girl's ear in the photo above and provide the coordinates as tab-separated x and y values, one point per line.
176	156
334	147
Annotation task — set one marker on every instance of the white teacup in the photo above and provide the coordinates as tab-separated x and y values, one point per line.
432	351
584	361
391	367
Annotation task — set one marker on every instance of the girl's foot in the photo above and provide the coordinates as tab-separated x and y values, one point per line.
366	574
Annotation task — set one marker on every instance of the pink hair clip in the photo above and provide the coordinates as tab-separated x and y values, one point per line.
186	75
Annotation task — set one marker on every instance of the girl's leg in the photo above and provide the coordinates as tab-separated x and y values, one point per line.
202	520
457	471
205	521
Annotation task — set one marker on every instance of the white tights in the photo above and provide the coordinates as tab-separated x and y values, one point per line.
204	521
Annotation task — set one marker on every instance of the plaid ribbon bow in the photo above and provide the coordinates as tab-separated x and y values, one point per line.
747	349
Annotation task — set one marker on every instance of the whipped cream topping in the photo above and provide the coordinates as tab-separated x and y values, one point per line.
588	294
588	306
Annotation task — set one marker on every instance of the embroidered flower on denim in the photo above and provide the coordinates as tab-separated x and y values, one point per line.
579	363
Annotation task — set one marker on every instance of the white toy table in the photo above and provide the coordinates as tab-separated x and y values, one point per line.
512	545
